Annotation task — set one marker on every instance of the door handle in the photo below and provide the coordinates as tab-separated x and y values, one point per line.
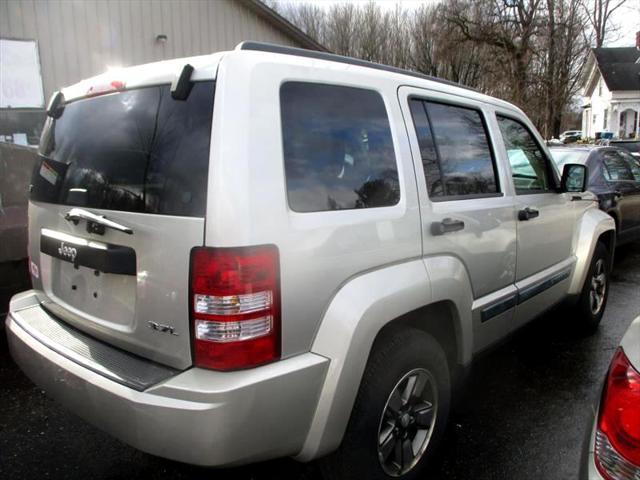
528	214
447	225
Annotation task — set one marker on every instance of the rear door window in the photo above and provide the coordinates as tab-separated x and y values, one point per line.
634	165
137	150
338	149
616	169
455	149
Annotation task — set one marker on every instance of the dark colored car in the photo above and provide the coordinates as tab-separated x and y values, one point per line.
631	146
614	176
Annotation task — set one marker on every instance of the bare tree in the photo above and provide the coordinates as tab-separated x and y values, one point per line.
341	29
565	47
509	27
371	32
530	52
599	15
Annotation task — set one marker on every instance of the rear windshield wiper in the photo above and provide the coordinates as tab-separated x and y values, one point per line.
95	223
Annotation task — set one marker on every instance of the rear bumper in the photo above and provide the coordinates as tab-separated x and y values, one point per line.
198	416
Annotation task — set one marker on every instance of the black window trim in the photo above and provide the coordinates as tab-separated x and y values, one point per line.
393	144
550	171
487	131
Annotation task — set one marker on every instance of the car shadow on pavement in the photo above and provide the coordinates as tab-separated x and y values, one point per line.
528	403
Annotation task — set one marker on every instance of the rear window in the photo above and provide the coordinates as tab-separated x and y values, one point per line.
616	168
568	156
137	151
633	147
338	150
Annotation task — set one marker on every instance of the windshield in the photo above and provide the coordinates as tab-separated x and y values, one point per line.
137	150
561	156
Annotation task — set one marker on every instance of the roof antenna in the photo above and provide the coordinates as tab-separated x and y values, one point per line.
182	84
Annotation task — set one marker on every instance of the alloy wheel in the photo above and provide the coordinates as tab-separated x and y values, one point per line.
598	289
407	422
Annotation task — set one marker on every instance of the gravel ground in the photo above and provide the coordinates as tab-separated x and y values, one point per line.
523	416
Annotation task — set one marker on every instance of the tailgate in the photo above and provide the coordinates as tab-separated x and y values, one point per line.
117	203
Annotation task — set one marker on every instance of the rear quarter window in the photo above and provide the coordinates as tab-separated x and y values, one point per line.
138	151
338	149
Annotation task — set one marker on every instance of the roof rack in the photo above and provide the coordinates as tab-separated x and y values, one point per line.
332	57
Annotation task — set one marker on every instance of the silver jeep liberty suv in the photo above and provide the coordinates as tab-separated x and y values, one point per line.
274	252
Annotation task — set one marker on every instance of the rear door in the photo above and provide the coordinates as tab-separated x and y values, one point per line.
466	211
545	223
622	173
140	159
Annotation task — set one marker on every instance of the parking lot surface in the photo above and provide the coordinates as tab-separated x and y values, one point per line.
523	416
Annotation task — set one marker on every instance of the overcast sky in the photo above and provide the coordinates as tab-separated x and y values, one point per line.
627	18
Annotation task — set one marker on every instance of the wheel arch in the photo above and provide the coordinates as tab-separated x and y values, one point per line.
594	226
440	320
362	312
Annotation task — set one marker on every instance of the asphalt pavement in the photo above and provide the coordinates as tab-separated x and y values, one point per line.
523	416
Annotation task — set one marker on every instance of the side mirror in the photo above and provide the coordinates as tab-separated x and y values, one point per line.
574	178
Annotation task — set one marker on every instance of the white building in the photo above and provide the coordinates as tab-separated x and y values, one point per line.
612	92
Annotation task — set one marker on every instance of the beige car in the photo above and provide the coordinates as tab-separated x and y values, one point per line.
273	252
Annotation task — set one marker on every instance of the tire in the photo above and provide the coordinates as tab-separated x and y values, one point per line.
402	358
595	291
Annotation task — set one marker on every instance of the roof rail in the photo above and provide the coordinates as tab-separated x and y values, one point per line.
332	57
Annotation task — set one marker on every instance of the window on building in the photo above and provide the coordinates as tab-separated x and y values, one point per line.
338	149
529	166
455	150
606	119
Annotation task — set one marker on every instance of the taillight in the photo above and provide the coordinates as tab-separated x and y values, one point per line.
235	306
617	448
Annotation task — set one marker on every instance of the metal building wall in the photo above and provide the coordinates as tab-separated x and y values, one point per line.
81	38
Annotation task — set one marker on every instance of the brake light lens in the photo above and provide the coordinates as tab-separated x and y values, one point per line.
106	87
235	306
617	448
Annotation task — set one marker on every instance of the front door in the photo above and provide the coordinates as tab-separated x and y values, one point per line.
545	222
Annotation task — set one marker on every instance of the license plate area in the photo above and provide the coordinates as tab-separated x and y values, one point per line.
93	280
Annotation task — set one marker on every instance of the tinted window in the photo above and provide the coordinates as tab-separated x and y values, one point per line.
634	165
528	162
561	156
428	152
338	151
137	150
633	147
455	150
616	168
